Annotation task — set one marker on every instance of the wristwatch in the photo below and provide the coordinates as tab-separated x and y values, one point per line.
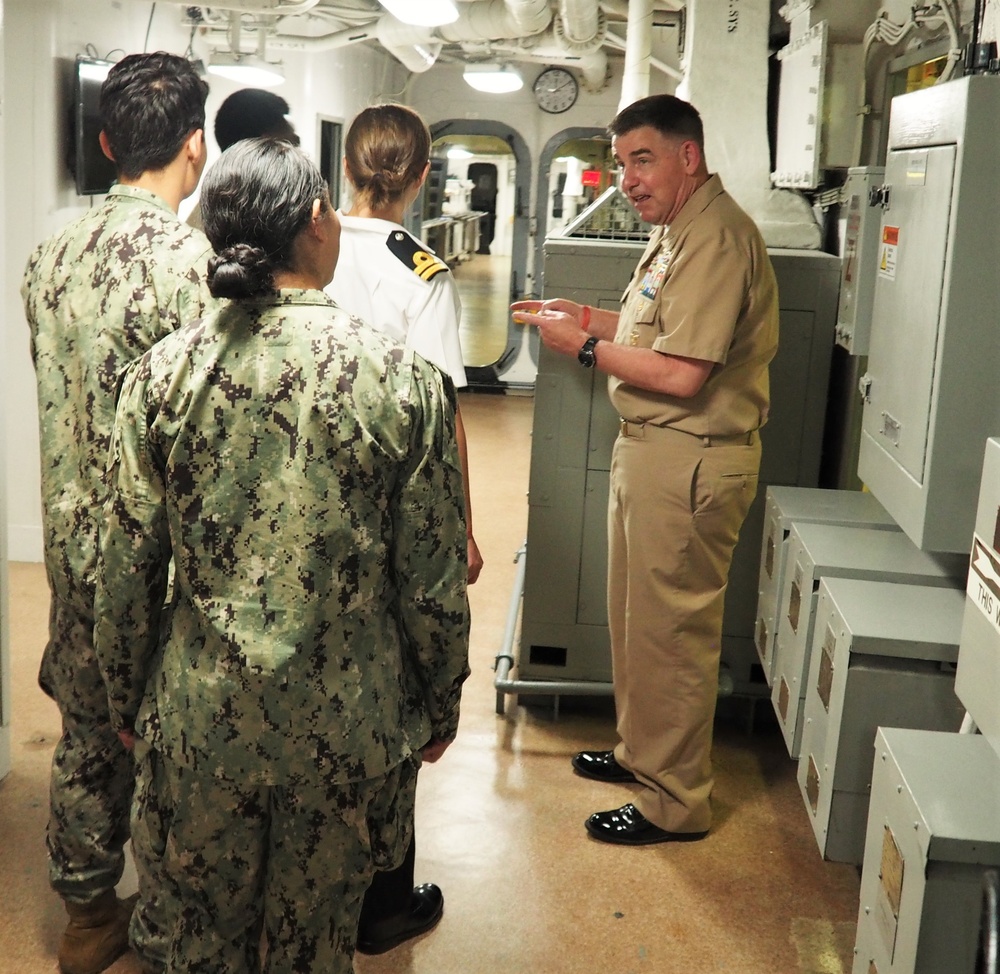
586	356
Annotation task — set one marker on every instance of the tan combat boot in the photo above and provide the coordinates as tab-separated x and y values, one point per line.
97	934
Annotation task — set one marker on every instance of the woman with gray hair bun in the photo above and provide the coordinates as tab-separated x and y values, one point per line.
301	472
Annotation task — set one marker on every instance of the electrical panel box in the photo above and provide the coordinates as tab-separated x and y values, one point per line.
931	396
860	260
978	681
817	551
783	507
883	655
933	830
564	624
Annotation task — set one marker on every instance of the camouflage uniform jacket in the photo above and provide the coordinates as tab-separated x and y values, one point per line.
302	471
97	295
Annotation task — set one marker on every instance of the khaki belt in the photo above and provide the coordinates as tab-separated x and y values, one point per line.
642	431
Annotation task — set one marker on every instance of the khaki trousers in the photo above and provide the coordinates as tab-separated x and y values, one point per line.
676	506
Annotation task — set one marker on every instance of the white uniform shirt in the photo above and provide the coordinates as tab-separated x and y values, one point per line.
392	281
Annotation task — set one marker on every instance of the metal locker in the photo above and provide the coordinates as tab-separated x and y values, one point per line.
784	506
817	551
883	655
933	830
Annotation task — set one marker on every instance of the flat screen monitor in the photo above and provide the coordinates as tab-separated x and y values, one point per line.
93	171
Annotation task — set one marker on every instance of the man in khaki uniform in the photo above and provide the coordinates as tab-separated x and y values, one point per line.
687	359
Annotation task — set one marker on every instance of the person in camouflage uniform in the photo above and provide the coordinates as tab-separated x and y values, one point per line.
301	470
97	295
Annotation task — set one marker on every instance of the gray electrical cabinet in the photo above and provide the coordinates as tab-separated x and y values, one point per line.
564	632
818	551
931	395
860	260
933	829
978	680
883	655
784	506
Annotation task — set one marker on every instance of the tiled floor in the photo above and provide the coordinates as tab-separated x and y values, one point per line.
500	818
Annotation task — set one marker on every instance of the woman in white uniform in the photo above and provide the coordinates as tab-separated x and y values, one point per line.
389	279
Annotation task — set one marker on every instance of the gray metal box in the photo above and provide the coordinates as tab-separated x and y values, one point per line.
883	655
933	829
931	391
783	507
564	631
860	259
978	681
818	551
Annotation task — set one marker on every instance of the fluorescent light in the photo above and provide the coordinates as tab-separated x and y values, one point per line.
494	79
246	69
422	13
457	152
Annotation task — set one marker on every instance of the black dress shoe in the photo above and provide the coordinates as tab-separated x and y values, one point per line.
628	826
426	907
601	766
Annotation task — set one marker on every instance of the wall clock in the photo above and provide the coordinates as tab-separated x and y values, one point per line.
555	90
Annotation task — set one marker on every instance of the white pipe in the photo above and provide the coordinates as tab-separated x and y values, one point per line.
317	45
661	66
277	7
495	20
415	47
580	20
593	65
530	16
638	50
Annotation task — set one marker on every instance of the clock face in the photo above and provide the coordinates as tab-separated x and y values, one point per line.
555	90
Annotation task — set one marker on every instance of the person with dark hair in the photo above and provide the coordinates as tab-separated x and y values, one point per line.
687	360
301	472
390	280
252	113
97	295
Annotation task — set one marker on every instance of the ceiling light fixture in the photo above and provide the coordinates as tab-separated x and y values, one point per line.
494	79
422	13
458	152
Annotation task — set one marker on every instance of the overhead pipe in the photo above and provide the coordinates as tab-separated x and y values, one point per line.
661	66
580	21
593	65
415	47
497	20
638	51
281	8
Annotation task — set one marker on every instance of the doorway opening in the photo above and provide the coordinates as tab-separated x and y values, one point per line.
474	216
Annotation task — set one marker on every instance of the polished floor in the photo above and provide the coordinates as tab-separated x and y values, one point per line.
484	284
500	817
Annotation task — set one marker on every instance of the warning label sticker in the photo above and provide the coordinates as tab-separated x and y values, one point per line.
887	252
983	586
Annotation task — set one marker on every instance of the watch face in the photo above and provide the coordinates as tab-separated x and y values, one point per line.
555	90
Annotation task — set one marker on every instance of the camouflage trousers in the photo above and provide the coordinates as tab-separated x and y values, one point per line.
90	788
224	864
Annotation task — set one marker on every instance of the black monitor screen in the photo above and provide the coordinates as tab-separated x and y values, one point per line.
93	170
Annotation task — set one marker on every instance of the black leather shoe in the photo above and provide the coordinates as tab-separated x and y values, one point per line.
628	826
601	766
426	907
